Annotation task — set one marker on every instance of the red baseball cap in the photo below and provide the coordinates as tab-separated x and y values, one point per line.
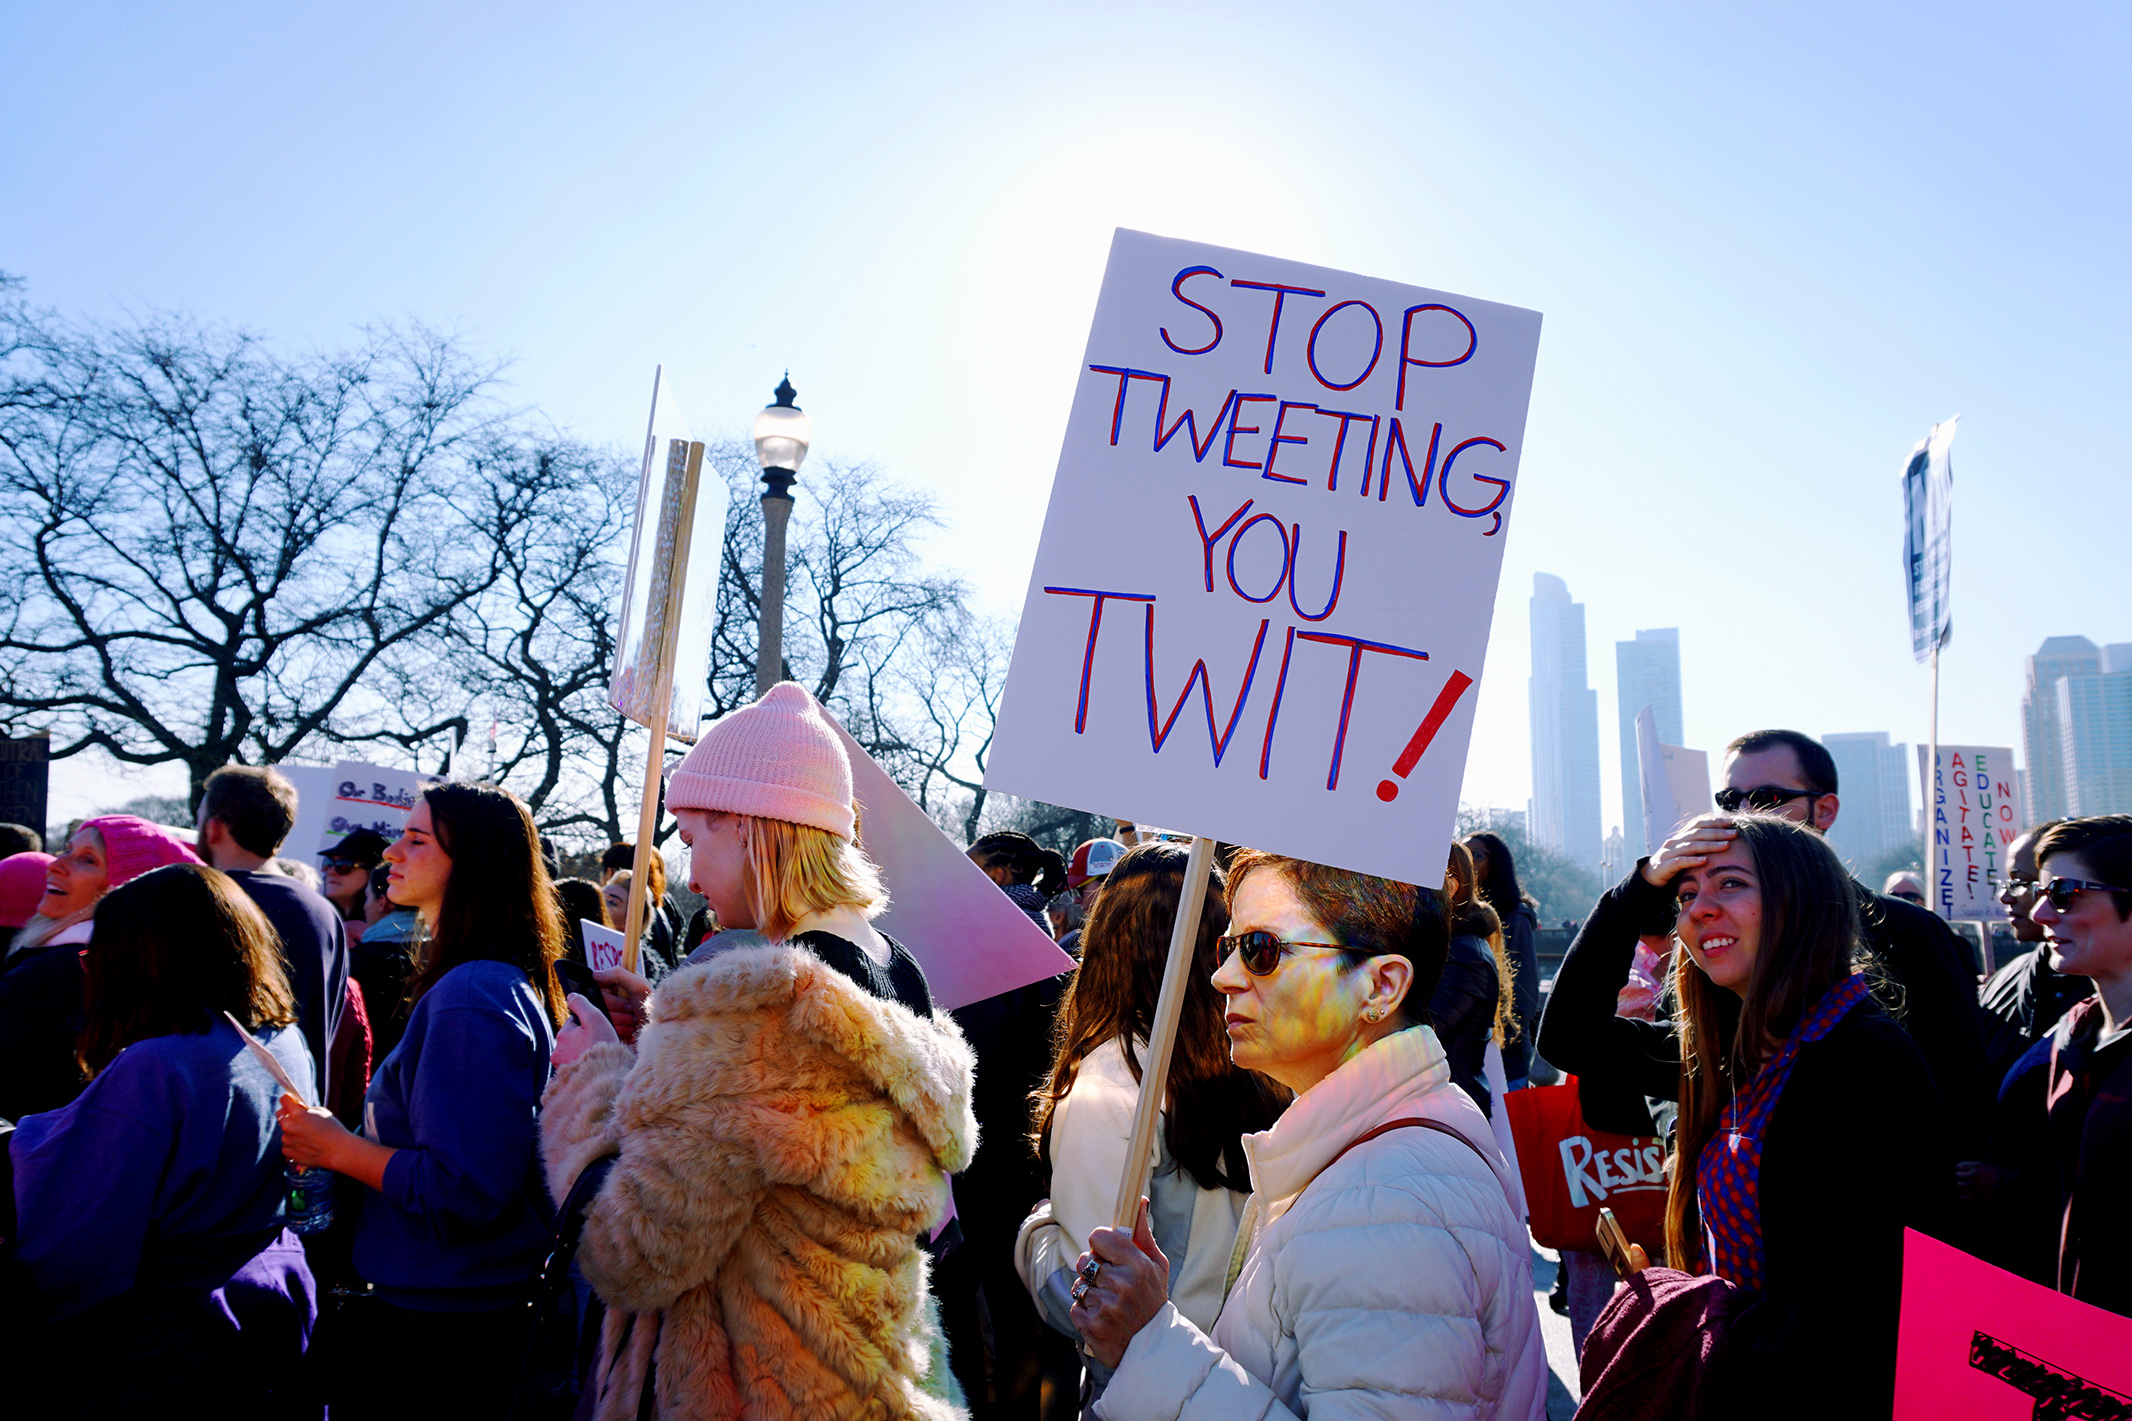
1093	859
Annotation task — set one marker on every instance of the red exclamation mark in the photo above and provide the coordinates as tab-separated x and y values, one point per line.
1387	790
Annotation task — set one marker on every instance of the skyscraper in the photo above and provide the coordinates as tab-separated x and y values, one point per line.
2076	725
1873	795
1565	728
1646	673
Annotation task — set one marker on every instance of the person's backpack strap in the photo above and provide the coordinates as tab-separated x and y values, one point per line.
1403	1122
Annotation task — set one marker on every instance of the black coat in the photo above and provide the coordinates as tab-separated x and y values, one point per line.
1928	982
1462	1010
1856	1150
1521	949
2020	1004
2090	1133
42	1011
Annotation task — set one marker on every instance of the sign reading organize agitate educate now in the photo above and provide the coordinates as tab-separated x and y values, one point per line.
1975	805
1262	598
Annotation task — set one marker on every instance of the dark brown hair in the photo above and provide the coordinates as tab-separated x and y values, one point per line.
1809	941
255	803
1369	916
1471	916
499	904
172	951
1211	1104
2103	842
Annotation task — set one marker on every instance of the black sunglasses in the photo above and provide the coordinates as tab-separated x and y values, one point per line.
2064	892
1262	951
1762	798
338	865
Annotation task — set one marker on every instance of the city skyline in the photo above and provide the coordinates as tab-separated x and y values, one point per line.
2076	728
1647	673
1565	812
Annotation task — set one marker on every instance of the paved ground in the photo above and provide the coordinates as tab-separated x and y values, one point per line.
1561	1357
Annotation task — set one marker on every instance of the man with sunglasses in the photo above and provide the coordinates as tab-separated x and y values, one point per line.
1928	976
2084	1096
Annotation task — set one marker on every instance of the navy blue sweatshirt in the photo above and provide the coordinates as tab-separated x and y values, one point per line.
165	1173
314	946
464	1219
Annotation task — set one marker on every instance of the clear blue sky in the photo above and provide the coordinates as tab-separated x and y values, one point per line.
1771	248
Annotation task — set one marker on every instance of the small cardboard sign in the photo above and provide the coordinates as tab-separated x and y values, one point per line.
603	945
1976	815
1983	1344
1262	597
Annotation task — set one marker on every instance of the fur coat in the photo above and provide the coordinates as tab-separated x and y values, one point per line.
784	1139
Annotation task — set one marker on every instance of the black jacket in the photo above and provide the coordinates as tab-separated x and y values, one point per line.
314	948
2089	1101
1462	1010
1856	1151
42	1011
1928	982
2020	1004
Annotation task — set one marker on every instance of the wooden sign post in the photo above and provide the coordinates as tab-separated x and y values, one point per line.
662	640
1162	1036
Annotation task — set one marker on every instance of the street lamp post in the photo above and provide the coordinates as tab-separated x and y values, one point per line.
782	432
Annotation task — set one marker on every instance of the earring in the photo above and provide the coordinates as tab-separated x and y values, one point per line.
1372	1014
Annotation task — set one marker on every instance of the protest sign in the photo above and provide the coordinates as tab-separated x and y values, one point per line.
314	794
363	797
1976	814
603	945
1262	597
1675	782
968	936
1983	1344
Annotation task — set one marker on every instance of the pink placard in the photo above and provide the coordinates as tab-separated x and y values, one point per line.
1983	1344
968	936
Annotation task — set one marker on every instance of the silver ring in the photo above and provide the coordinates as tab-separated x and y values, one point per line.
1079	1289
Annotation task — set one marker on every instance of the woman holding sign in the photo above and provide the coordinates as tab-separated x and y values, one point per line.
1810	1133
151	1209
455	1220
786	1123
1382	1270
1084	1112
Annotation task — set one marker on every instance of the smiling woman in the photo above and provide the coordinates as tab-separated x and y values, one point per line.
1808	1123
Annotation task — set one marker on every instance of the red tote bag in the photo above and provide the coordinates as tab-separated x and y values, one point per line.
1572	1171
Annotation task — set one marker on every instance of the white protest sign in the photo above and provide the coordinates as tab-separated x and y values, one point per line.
1976	814
359	796
603	945
1262	597
314	792
1675	782
968	936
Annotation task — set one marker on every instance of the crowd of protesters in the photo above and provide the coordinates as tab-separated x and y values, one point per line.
283	1149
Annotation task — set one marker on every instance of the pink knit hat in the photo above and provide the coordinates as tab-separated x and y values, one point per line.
21	888
777	759
134	846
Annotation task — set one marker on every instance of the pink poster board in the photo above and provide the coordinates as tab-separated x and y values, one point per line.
968	936
1980	1343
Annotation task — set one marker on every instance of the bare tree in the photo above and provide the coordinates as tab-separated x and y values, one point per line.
216	548
938	737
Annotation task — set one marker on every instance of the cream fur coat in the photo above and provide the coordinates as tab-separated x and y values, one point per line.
785	1138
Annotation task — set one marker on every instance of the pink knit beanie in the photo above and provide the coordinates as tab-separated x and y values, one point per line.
21	888
134	846
777	759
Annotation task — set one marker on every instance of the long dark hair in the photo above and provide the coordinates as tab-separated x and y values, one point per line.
499	904
1025	860
1471	916
1809	942
1211	1104
1500	888
172	951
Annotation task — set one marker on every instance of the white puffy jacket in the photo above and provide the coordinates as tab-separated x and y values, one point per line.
1396	1283
1091	1131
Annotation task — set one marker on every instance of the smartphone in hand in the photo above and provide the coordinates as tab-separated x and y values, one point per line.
577	979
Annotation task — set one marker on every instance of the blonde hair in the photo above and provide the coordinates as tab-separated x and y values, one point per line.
798	870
